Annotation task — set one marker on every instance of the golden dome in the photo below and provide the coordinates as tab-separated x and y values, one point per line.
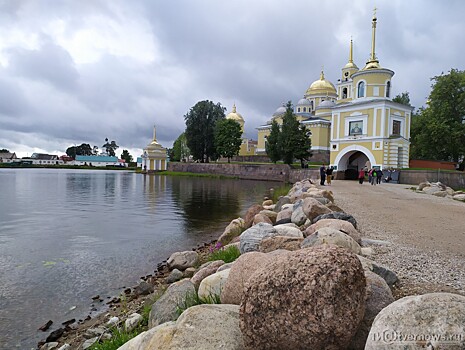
234	115
321	86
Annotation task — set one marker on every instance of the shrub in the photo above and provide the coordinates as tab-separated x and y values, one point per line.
192	299
228	254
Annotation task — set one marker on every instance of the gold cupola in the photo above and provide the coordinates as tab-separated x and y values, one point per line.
236	117
321	87
373	62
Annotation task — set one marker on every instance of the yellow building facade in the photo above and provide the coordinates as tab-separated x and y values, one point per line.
248	147
354	124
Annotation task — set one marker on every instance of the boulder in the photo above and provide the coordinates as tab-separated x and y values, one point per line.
378	296
389	276
240	273
132	322
284	216
267	202
183	260
459	197
312	208
289	230
422	185
206	327
440	194
341	225
315	193
271	214
298	216
261	218
328	235
429	321
143	288
208	270
281	201
251	238
174	276
225	266
250	214
234	229
189	272
164	309
213	284
334	207
279	242
339	216
322	200
307	299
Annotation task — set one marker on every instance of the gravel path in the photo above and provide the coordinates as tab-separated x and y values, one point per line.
427	233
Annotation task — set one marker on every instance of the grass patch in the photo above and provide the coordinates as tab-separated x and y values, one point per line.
193	299
280	191
180	173
118	338
228	254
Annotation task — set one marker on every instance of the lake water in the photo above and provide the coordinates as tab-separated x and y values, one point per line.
67	235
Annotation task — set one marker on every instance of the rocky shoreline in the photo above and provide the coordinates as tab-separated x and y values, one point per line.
305	278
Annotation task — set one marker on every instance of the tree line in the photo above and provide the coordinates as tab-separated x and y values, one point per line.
110	148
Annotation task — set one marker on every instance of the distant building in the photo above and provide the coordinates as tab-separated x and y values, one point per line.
155	157
248	147
7	157
43	159
99	161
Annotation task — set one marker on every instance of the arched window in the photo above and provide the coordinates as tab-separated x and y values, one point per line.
361	89
344	93
298	109
305	109
388	88
311	104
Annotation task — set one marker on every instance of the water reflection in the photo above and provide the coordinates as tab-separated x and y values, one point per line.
66	235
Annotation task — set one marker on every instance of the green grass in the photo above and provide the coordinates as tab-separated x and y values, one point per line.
179	173
228	254
118	339
192	299
280	191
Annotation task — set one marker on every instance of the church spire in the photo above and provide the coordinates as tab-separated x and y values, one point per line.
351	52
154	133
234	108
373	61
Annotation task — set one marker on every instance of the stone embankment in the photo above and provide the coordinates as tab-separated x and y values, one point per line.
305	279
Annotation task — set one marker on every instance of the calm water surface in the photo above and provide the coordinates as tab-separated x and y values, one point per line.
67	235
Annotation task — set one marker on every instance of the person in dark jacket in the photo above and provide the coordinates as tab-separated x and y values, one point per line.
322	175
379	176
329	175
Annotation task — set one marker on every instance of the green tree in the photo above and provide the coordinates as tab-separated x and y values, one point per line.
290	134
83	150
403	98
272	145
200	126
126	156
438	131
180	151
4	150
303	145
110	147
228	138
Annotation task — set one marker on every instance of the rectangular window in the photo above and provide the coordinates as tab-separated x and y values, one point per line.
356	127
396	127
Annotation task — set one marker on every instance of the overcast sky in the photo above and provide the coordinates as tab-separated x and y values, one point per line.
82	70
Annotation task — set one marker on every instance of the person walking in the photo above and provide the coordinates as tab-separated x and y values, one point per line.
361	176
379	176
374	176
329	175
322	175
370	175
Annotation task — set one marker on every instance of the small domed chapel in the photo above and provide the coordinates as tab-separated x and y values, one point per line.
354	123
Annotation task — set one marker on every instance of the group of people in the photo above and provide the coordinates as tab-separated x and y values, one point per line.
326	174
374	176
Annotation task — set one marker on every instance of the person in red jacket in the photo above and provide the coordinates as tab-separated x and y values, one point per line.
361	176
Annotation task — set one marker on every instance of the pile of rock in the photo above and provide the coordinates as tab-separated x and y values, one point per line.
301	282
438	189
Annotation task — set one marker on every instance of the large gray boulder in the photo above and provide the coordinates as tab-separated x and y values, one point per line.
312	208
288	230
298	216
234	229
429	321
250	239
340	225
183	260
206	271
378	296
459	197
337	215
281	201
284	216
307	299
164	309
240	273
201	327
383	271
328	235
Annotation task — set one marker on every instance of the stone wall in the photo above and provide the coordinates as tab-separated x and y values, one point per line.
454	179
296	175
270	172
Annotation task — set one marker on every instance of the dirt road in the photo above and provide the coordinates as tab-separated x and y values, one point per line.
427	232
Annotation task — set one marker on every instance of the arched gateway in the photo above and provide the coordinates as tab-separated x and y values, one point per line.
352	159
